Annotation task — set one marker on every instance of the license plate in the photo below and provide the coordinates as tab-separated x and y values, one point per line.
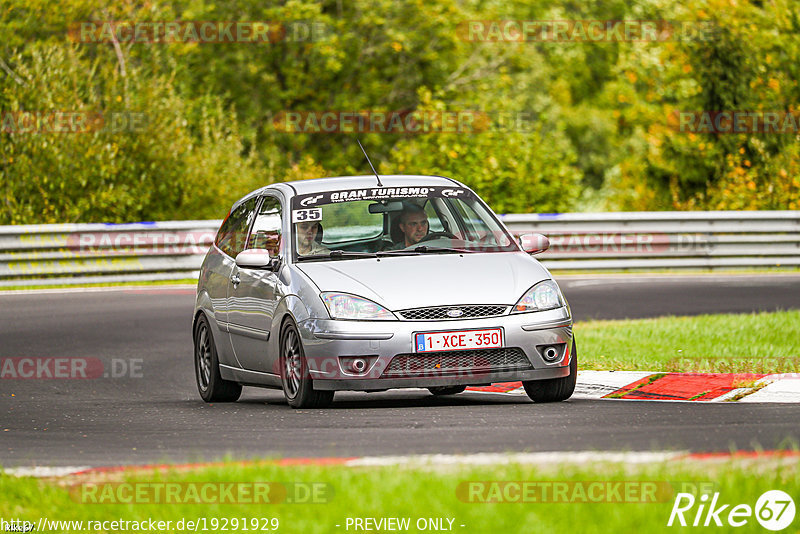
489	338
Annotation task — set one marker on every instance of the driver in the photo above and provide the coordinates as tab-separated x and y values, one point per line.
413	224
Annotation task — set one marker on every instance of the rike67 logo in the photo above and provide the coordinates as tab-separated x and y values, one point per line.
774	510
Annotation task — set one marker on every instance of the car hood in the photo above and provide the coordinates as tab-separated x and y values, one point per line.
404	282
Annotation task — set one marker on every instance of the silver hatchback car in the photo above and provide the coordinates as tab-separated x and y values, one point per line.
365	283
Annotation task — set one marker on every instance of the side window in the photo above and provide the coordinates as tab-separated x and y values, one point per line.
233	233
267	228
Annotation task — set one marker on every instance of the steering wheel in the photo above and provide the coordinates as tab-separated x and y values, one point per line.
436	235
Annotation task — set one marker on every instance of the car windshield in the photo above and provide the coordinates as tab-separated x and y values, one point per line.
394	221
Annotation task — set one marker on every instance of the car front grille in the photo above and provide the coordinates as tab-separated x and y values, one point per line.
459	362
439	313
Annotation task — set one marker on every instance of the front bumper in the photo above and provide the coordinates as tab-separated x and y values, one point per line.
326	340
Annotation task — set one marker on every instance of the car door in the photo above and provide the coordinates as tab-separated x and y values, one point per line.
254	293
219	266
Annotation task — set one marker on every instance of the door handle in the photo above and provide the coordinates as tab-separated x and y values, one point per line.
235	280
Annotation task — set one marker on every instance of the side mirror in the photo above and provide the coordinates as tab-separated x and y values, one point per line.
254	258
534	243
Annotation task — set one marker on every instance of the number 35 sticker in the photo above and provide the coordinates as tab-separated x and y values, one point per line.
311	214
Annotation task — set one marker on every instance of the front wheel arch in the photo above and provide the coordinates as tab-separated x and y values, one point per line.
302	393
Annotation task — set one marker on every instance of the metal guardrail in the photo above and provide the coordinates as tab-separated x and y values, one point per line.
665	240
88	253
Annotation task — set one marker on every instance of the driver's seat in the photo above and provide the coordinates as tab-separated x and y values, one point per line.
394	230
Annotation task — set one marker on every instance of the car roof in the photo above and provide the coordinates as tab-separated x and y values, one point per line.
317	185
338	183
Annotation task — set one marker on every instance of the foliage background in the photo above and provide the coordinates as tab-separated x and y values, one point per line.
603	141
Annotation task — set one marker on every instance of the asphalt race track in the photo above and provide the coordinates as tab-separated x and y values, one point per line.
153	412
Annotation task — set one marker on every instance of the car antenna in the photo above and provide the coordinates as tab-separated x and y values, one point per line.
370	163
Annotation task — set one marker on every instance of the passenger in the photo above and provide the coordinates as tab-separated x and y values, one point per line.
307	239
413	223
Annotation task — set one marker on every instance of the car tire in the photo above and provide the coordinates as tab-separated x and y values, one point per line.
210	384
298	387
555	389
446	390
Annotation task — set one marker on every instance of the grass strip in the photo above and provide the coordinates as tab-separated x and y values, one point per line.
594	498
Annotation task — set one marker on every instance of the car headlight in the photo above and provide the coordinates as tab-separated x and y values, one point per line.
344	306
545	295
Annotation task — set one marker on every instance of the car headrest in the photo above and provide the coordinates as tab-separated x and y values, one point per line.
394	229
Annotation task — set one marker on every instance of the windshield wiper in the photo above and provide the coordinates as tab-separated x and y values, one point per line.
338	254
401	252
424	249
347	254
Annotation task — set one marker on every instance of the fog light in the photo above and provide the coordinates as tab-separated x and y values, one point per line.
356	365
551	353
